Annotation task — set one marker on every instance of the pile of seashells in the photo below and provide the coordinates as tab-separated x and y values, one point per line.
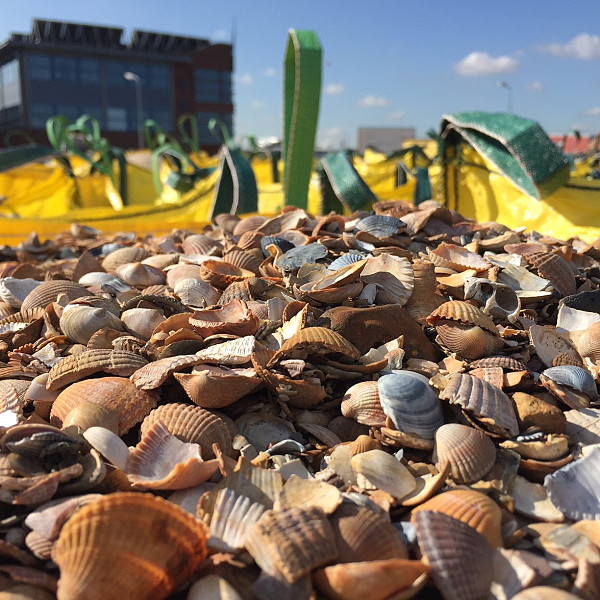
388	405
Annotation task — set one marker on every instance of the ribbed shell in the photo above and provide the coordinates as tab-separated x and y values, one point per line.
457	310
457	258
410	402
345	259
115	393
588	342
128	545
484	400
470	452
459	557
300	255
13	291
424	299
122	256
380	225
556	270
269	240
361	403
468	341
231	318
574	377
220	273
505	362
244	260
248	224
79	323
49	291
192	424
198	243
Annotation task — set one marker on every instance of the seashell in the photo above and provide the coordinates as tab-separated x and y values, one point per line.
409	401
457	258
226	221
508	363
75	367
498	300
281	243
249	224
121	256
376	580
545	592
296	540
549	343
198	243
160	261
304	493
234	318
490	405
463	312
362	534
583	426
570	377
181	271
424	298
141	322
100	278
13	291
249	240
392	274
361	403
346	259
470	452
232	352
468	341
244	260
196	293
533	501
117	394
79	322
263	430
460	558
129	545
89	414
212	587
471	507
49	291
216	387
382	471
220	274
138	274
41	397
556	270
294	258
380	226
574	489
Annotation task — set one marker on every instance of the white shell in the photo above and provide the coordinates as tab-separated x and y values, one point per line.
13	290
142	322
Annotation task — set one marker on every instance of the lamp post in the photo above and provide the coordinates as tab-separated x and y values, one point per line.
505	85
138	102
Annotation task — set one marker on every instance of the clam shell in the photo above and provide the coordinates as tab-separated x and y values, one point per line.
128	545
471	507
138	274
483	400
122	256
459	557
463	312
142	322
410	402
574	377
457	258
196	293
296	540
192	424
556	270
49	291
575	489
380	225
393	275
233	318
13	291
115	393
361	403
80	322
549	343
294	258
468	341
470	452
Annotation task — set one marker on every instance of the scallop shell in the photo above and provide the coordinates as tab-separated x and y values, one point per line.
410	402
249	224
485	401
468	341
80	322
198	243
556	270
115	393
457	258
122	256
49	291
380	226
470	452
459	557
75	367
196	293
220	274
13	291
575	489
128	545
138	274
393	275
361	403
471	507
233	318
463	312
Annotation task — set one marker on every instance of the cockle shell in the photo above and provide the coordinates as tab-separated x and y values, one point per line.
196	293
79	322
128	545
220	274
468	341
294	258
122	256
410	402
463	312
574	377
48	292
470	452
361	403
556	270
13	291
198	243
380	225
549	344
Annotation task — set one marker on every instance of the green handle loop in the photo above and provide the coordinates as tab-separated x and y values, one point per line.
220	132
56	131
187	125
302	89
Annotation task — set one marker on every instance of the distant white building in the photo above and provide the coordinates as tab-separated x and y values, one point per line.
385	139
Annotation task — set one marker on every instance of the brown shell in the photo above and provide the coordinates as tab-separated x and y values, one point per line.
244	260
588	342
122	256
460	558
233	318
152	375
198	243
471	507
470	452
483	400
458	310
424	299
457	258
556	270
181	271
220	273
361	403
505	362
249	224
249	240
77	366
128	545
115	393
140	275
468	341
192	424
226	221
49	291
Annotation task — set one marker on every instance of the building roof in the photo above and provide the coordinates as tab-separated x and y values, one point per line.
572	143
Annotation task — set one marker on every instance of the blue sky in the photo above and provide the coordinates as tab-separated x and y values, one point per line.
385	62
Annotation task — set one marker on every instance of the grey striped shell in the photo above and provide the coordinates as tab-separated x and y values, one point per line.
574	377
269	240
346	259
296	257
409	401
380	225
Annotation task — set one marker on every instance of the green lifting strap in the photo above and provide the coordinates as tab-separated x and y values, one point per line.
341	184
302	89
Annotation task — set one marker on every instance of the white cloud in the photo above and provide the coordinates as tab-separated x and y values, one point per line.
370	101
334	89
257	105
536	86
245	79
331	139
269	72
593	112
396	115
481	63
583	46
221	36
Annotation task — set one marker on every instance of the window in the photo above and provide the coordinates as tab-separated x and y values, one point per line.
207	85
40	67
65	68
113	72
10	85
163	117
159	77
116	118
71	111
40	113
89	70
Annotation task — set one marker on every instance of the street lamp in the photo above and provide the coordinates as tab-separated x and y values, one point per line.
505	85
138	101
